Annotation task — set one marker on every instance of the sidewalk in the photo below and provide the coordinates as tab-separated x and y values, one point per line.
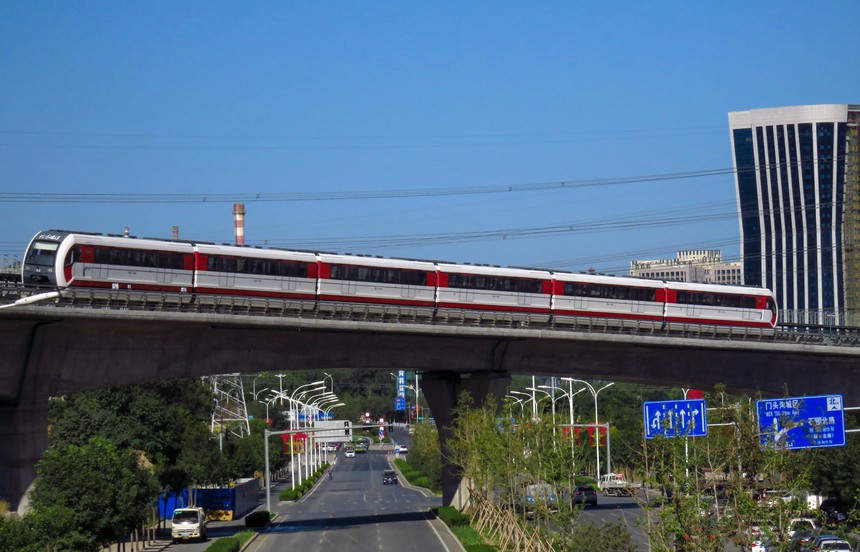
162	541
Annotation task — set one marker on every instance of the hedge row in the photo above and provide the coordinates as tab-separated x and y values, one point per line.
304	487
451	516
225	544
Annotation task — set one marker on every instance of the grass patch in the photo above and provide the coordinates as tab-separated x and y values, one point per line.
467	535
458	522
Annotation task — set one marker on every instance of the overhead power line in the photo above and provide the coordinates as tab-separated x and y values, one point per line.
53	197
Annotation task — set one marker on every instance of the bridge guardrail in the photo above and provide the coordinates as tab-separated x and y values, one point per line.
820	334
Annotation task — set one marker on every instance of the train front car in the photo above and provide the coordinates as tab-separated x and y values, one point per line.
357	287
494	295
105	264
40	267
593	300
723	308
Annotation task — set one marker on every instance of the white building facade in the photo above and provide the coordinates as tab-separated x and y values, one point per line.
702	265
796	183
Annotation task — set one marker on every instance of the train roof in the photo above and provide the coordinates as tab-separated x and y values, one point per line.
383	262
490	270
255	252
719	288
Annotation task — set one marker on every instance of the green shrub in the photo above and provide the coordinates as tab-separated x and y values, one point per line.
421	481
289	494
226	544
259	518
452	517
244	536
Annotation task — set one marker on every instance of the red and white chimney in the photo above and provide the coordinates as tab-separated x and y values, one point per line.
239	222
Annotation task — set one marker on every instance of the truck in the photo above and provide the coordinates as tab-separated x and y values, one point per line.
615	484
189	523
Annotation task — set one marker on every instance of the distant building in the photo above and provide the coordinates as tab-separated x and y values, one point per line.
796	179
705	265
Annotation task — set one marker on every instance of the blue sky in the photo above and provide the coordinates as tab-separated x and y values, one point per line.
255	101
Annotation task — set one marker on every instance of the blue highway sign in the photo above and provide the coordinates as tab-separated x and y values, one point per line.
802	422
681	418
399	403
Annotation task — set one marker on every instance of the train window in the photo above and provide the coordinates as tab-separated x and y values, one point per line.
379	275
494	283
260	267
42	254
715	300
138	257
603	291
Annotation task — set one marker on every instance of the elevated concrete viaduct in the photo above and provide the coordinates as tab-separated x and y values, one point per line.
47	351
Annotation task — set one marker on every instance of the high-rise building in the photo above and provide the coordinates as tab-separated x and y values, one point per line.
796	179
702	265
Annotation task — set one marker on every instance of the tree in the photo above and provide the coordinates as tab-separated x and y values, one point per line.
90	495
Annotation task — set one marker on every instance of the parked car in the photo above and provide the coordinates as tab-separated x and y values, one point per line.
827	542
536	496
803	526
585	494
389	477
189	523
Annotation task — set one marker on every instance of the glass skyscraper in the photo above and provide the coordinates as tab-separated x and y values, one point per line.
796	180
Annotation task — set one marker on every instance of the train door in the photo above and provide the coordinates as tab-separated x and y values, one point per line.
348	287
524	299
86	266
226	279
289	284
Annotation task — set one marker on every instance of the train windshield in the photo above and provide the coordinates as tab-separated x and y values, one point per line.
42	253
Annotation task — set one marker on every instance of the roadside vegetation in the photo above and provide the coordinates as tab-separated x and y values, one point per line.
306	485
113	452
696	494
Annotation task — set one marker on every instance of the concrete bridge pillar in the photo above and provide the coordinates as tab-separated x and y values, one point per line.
442	390
23	441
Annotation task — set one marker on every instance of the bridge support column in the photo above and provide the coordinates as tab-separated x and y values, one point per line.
442	390
23	441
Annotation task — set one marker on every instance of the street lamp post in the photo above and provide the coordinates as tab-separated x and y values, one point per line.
552	400
310	404
594	393
292	399
519	402
529	397
281	386
570	394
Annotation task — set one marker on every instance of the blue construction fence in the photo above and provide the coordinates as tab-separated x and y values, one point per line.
220	503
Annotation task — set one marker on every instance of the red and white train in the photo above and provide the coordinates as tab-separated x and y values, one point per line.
202	272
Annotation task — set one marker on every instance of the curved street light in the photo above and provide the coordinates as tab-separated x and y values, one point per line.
519	402
570	394
596	419
528	398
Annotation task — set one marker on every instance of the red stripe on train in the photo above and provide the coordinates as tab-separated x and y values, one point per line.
500	308
601	314
375	300
712	322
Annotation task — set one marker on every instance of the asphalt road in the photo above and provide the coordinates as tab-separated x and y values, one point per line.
354	511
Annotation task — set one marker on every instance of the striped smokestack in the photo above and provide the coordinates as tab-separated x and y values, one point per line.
239	222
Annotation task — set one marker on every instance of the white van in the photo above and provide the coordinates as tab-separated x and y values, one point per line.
189	523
